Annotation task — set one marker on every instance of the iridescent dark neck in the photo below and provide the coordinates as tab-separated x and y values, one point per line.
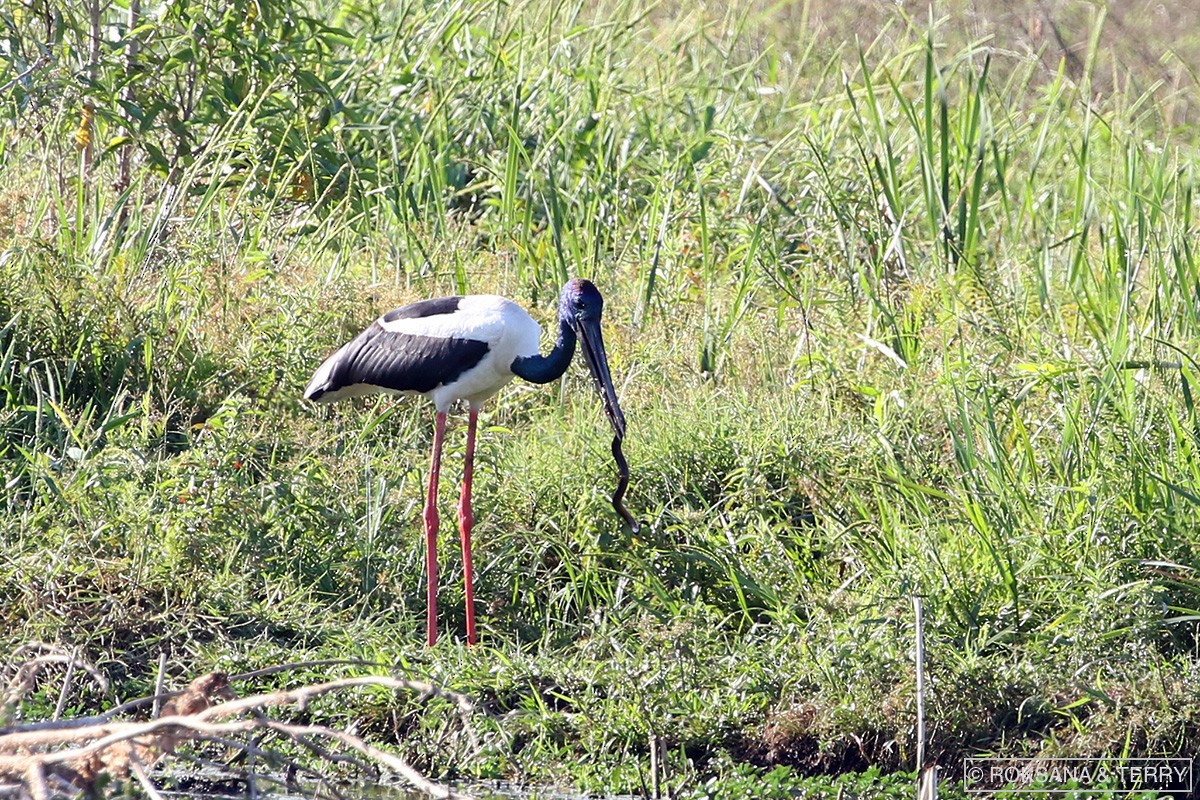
543	369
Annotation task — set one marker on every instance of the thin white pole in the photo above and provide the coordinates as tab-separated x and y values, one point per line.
920	663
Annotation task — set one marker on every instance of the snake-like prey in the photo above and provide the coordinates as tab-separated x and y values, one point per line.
622	484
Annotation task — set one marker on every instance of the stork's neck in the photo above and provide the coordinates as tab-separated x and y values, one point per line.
543	369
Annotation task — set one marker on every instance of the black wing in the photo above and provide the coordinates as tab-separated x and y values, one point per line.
402	362
424	308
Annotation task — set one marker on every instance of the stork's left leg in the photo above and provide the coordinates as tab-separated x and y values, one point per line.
431	530
466	521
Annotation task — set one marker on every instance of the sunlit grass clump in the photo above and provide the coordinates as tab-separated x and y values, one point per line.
912	316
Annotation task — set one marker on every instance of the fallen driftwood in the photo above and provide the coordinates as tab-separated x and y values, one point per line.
39	760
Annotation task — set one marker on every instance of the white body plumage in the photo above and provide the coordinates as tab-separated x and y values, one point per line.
448	349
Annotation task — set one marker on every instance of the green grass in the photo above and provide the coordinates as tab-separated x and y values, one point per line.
915	315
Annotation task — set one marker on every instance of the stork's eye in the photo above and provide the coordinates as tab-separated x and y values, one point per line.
579	304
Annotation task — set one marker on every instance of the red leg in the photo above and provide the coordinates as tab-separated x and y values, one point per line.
466	521
431	529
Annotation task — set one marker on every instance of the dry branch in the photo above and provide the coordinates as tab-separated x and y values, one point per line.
24	677
35	760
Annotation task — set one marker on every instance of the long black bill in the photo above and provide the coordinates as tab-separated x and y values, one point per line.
597	361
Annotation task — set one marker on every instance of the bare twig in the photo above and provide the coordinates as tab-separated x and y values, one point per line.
203	712
110	752
35	781
66	687
159	683
160	696
25	676
323	753
139	772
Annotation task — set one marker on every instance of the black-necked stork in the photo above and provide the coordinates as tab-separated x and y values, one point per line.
468	348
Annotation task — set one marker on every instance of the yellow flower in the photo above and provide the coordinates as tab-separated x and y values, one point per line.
83	134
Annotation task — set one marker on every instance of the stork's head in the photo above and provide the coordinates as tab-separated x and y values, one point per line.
580	300
580	306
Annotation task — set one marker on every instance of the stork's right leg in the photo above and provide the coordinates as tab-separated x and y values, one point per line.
466	520
431	529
